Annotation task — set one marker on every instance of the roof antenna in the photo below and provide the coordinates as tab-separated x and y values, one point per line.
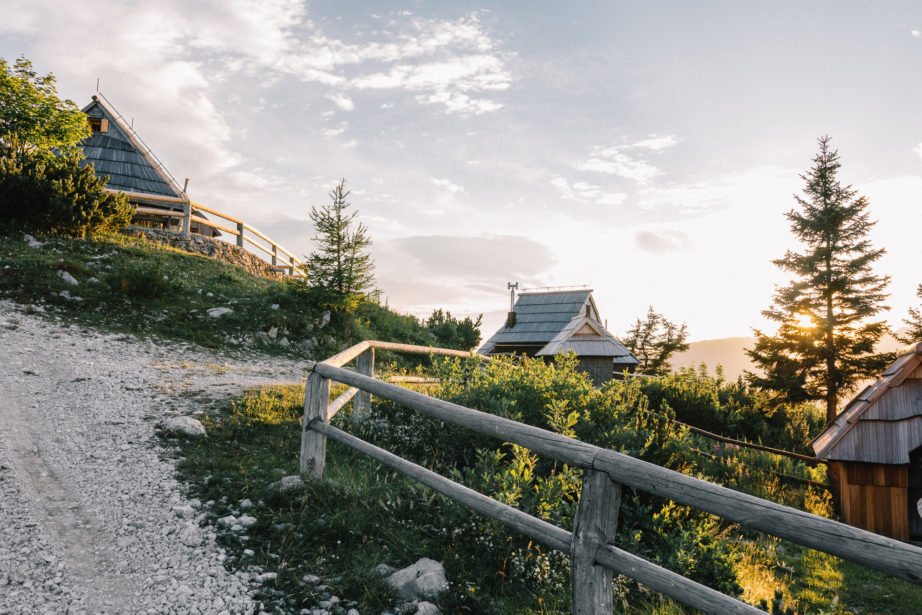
97	84
132	123
510	317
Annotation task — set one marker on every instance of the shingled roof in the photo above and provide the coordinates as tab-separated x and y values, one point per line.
587	338
118	153
883	423
539	317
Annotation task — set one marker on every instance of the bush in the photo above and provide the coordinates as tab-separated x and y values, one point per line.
55	194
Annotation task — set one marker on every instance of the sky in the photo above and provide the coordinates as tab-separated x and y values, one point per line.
649	150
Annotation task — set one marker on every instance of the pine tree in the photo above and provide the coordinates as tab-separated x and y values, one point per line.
825	343
914	334
653	340
341	263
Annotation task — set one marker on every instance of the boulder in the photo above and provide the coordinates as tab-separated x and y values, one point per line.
219	311
425	578
427	608
287	483
185	425
68	278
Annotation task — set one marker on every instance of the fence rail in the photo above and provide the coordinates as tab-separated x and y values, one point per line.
185	211
593	558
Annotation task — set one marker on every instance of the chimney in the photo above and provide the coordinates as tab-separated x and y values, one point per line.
510	317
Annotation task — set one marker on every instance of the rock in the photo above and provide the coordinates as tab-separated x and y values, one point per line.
287	483
311	579
32	242
183	512
283	342
191	535
68	278
424	578
427	608
324	319
246	521
274	306
219	311
245	504
383	570
184	424
228	521
273	333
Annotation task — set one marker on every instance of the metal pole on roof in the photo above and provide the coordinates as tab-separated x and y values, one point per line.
512	288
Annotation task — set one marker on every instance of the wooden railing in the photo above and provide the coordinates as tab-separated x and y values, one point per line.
592	554
185	211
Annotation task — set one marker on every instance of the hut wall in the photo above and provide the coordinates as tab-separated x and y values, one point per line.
874	496
598	368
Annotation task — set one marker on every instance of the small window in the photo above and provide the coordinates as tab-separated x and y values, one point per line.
99	124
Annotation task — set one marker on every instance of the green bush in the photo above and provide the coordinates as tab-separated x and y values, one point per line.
55	194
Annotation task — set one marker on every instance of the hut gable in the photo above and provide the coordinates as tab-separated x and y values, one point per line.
587	338
539	317
883	423
116	152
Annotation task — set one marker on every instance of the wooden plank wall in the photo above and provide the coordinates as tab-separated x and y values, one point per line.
874	497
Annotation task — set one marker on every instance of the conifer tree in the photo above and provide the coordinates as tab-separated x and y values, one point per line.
914	334
827	333
341	263
653	340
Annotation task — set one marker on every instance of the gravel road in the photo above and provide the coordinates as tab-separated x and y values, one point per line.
92	519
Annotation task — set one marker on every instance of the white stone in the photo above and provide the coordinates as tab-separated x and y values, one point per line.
68	278
184	512
31	241
246	521
274	306
427	608
228	521
219	311
424	578
273	332
287	483
245	504
185	424
324	319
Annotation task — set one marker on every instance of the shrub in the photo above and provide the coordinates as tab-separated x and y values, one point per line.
55	194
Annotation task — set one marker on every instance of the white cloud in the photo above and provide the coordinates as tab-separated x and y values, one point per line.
662	241
342	101
586	192
916	33
656	142
615	159
918	150
447	184
338	130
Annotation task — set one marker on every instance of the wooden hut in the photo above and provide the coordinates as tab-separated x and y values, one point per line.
874	450
542	324
128	165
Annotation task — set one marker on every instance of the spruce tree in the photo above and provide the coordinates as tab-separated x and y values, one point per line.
653	340
914	322
827	333
341	263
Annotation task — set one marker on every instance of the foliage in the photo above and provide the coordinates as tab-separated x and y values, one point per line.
32	111
653	340
341	265
914	322
451	332
56	194
835	288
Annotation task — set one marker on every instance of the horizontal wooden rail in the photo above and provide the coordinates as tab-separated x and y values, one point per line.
752	445
749	468
871	550
169	213
653	576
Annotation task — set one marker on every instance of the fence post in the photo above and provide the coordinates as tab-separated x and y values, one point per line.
240	234
314	444
720	450
275	255
186	217
365	365
595	526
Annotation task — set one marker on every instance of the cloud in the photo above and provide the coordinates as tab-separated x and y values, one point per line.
616	159
918	150
448	185
662	241
338	130
342	101
916	33
586	192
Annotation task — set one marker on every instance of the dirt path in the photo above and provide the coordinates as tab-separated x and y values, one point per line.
93	517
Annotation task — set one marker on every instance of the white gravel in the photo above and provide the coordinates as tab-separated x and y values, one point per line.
92	519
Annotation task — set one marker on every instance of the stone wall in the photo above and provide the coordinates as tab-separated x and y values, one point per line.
206	246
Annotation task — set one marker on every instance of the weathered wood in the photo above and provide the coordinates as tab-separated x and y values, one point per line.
240	234
214	225
651	575
168	213
187	217
365	365
671	584
595	526
447	352
313	443
553	445
851	543
275	255
337	404
144	196
340	359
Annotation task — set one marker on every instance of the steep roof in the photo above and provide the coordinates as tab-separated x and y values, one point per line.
883	423
540	316
121	155
587	338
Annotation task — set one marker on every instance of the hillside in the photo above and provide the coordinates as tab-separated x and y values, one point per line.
730	352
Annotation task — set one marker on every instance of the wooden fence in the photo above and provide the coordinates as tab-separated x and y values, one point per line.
184	210
592	555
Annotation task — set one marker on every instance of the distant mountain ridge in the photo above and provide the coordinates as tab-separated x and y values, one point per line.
730	352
